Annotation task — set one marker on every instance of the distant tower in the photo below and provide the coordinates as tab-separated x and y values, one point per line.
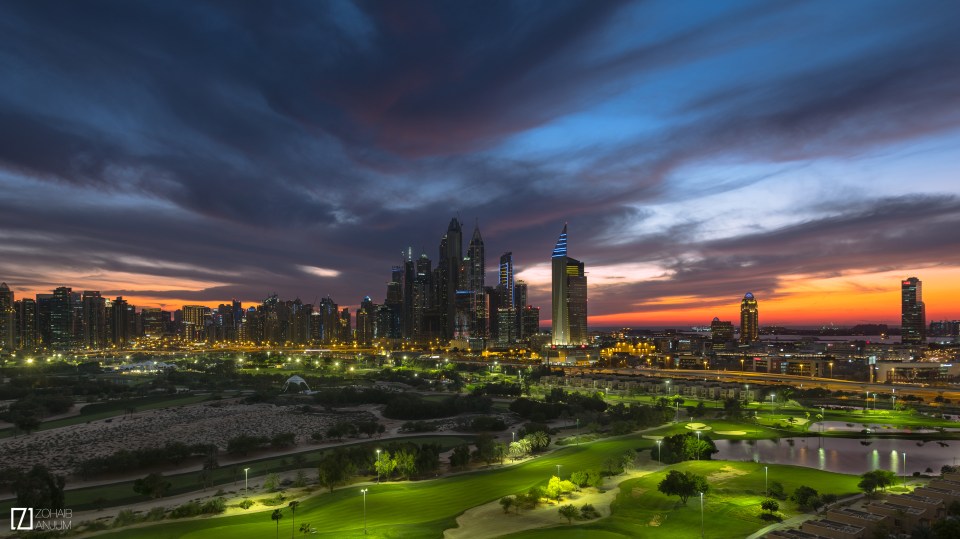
913	317
448	275
749	319
475	267
569	320
7	327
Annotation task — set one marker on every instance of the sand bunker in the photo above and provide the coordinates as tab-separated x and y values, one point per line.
731	432
698	426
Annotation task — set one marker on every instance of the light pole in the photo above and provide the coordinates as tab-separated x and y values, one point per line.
364	492
245	482
766	487
874	402
378	466
831	369
904	469
558	471
771	402
514	434
698	445
701	515
659	461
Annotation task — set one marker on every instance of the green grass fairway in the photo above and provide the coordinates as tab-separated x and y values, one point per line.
407	509
731	507
749	428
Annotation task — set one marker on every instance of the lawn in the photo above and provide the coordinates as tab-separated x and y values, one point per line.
731	507
402	509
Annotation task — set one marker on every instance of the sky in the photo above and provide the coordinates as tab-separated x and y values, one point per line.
190	152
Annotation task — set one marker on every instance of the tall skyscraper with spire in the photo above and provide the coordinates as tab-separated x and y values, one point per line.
569	296
749	319
475	268
448	277
913	316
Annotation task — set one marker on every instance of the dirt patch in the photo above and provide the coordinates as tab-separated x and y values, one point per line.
727	472
657	520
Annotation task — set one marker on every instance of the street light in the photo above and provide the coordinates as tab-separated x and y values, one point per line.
245	483
904	469
771	402
831	369
698	445
658	451
378	466
766	488
364	492
558	471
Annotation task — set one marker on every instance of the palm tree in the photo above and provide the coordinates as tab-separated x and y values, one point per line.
293	514
277	515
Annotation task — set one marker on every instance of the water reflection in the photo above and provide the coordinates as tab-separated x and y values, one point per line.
844	455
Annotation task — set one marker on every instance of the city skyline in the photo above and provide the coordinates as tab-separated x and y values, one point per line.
197	153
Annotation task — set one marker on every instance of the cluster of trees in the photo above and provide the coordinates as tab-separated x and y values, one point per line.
686	446
683	484
245	444
129	460
27	412
876	479
39	487
482	423
500	389
586	512
153	485
411	406
353	396
808	498
348	429
404	460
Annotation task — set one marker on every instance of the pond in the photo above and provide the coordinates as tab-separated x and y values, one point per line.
845	455
857	427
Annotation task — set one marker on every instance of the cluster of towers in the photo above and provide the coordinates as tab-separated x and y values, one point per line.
452	301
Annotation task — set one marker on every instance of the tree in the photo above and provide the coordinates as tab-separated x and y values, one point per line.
871	481
39	488
405	463
804	496
293	515
276	516
500	451
152	485
331	472
776	490
384	465
770	506
460	456
506	502
271	482
682	484
485	444
568	512
557	487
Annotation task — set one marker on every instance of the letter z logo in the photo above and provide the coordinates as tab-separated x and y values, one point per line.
21	518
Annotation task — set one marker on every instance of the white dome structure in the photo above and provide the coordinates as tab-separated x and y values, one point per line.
296	384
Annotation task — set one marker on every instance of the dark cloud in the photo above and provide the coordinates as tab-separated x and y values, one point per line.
233	142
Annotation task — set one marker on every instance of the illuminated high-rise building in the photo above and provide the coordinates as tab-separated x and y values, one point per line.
94	320
7	319
474	270
749	319
448	277
569	314
913	316
28	335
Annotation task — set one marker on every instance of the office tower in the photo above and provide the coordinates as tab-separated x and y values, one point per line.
749	320
913	317
505	281
120	322
346	333
366	319
194	320
44	310
61	319
520	303
529	322
721	333
152	318
8	331
569	309
475	269
94	320
448	277
329	321
27	324
421	298
390	315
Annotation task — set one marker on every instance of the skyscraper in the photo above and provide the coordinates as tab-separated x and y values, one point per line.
7	326
569	296
94	320
749	319
913	316
475	268
448	277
